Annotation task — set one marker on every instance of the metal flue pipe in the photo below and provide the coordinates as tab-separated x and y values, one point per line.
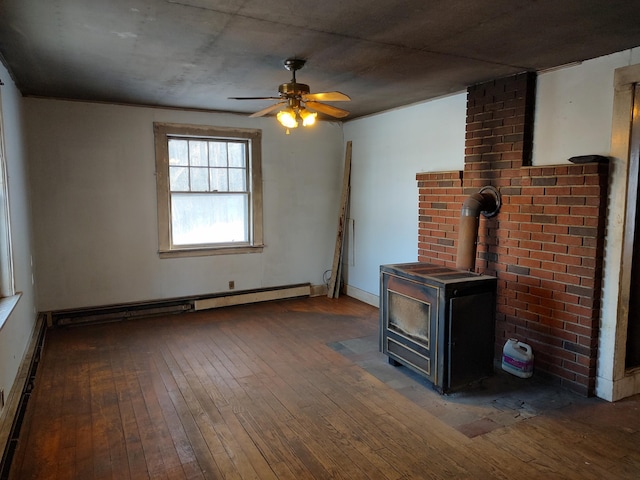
487	202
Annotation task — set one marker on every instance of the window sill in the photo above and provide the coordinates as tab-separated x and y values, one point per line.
7	304
204	252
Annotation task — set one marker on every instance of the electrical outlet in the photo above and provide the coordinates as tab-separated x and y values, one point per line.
232	284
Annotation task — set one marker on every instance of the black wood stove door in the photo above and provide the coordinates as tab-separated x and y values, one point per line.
409	317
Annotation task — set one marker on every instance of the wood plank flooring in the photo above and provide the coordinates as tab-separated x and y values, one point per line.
255	392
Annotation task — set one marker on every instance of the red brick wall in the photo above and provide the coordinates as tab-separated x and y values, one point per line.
545	246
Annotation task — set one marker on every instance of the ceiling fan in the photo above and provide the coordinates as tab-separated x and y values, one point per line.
297	100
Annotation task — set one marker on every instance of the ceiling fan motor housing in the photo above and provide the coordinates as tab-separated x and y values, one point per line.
293	89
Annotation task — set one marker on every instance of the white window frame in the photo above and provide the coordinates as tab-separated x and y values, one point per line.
8	295
163	132
7	282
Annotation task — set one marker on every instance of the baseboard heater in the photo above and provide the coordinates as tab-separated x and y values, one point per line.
19	397
253	297
110	313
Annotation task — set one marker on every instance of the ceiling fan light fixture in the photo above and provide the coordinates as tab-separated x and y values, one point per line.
308	118
297	97
287	118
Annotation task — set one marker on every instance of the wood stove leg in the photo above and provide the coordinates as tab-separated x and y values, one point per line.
393	362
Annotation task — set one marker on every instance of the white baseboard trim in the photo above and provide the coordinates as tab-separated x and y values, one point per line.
366	297
614	390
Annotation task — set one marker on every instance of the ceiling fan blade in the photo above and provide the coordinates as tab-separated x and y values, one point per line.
254	98
269	109
326	97
328	109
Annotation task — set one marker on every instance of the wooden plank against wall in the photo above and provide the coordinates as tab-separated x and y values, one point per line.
334	284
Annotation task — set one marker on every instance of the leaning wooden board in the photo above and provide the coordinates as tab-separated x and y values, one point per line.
334	283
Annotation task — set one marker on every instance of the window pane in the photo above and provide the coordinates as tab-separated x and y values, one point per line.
178	152
237	180
198	153
237	155
209	218
199	179
204	179
218	154
179	179
219	179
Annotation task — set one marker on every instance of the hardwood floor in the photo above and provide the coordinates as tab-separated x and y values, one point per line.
255	392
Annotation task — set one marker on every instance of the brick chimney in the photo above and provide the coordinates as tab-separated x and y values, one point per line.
545	245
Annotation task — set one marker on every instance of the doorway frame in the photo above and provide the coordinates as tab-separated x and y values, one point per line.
623	383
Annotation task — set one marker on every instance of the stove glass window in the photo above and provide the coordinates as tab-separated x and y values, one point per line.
409	317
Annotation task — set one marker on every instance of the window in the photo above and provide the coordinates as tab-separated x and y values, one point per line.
209	190
8	296
7	285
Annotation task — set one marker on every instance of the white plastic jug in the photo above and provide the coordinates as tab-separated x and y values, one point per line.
517	358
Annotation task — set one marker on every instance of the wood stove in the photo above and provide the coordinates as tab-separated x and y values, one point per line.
438	322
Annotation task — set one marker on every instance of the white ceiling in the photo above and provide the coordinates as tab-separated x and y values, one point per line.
383	54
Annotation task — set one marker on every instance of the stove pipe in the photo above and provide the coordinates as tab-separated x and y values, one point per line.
486	201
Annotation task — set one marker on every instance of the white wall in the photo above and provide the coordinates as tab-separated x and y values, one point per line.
16	332
95	217
574	107
388	150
